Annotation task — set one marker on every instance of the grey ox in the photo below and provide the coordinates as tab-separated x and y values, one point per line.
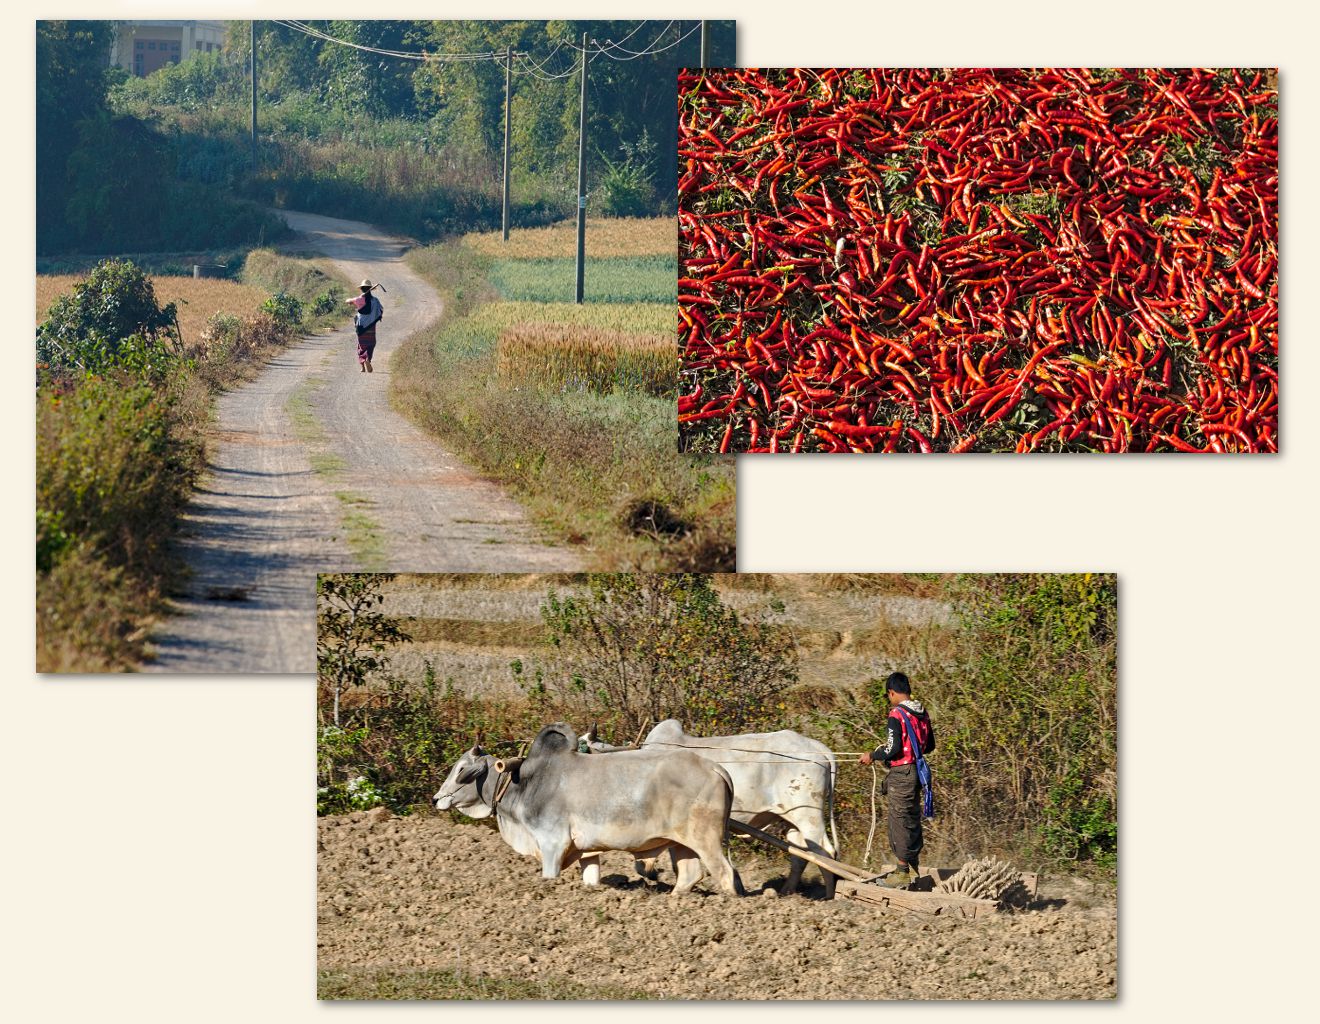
563	806
777	776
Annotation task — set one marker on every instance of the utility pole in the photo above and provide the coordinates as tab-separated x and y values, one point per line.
253	36
582	175
705	46
508	108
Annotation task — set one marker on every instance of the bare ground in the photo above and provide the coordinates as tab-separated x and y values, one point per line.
311	471
426	907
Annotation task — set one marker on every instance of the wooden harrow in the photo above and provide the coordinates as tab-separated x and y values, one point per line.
922	897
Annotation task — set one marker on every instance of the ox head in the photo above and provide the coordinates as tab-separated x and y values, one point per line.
462	789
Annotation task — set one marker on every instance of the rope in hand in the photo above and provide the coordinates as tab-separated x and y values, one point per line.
870	836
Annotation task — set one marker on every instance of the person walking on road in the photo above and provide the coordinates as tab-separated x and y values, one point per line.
907	722
368	315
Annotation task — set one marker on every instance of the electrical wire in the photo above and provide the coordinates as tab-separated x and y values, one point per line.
316	33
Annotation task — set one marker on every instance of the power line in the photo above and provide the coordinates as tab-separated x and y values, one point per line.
649	51
316	33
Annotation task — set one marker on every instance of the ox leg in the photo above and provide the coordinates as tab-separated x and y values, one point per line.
809	830
649	867
554	858
687	868
717	864
796	865
591	869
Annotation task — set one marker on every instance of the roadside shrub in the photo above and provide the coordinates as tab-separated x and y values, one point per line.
110	473
286	310
87	613
328	301
109	321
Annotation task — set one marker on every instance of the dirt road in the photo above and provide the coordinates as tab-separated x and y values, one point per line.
313	471
433	908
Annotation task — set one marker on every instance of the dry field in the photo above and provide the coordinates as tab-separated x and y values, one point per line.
427	907
848	631
608	237
198	298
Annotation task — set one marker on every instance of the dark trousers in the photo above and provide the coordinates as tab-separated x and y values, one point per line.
905	813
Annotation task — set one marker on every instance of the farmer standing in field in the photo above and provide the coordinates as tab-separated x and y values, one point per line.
907	721
368	315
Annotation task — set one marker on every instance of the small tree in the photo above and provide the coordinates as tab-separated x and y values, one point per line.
351	631
641	647
111	320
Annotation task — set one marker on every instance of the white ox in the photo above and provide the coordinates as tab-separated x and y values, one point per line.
777	776
562	806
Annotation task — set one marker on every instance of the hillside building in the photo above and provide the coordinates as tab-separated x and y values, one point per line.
142	47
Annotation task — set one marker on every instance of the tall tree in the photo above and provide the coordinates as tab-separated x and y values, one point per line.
72	60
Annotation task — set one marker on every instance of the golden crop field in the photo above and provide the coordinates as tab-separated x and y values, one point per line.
627	317
560	355
606	237
198	298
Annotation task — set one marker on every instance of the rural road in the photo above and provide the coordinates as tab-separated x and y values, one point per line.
311	471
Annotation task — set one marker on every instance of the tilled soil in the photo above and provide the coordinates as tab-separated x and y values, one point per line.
427	894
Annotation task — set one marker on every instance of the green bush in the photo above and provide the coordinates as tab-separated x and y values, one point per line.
285	309
328	302
638	648
109	321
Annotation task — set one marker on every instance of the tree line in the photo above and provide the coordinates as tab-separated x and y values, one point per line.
414	145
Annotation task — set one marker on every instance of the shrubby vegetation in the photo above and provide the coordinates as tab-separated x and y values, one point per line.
121	414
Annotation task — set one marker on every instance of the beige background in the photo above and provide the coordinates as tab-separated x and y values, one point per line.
157	833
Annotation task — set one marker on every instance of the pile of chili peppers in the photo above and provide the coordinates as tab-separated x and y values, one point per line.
978	260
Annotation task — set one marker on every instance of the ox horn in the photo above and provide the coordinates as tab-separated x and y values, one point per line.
508	764
593	732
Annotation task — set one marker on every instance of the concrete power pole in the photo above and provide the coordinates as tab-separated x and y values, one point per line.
582	176
508	108
705	46
253	37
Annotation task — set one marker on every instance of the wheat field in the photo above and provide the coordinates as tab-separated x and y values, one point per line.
198	298
591	358
607	238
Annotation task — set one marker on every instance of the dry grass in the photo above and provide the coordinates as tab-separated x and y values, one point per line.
576	358
606	238
198	298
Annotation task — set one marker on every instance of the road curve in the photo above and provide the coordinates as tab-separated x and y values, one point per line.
311	471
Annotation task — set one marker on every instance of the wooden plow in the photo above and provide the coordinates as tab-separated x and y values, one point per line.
922	897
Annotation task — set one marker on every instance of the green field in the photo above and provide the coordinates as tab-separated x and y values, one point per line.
651	279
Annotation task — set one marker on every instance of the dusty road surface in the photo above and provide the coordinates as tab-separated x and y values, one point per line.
423	906
313	471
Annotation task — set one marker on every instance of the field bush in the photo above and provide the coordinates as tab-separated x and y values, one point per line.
109	320
577	359
116	461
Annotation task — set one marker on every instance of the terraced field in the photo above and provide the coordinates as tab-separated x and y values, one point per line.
471	627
